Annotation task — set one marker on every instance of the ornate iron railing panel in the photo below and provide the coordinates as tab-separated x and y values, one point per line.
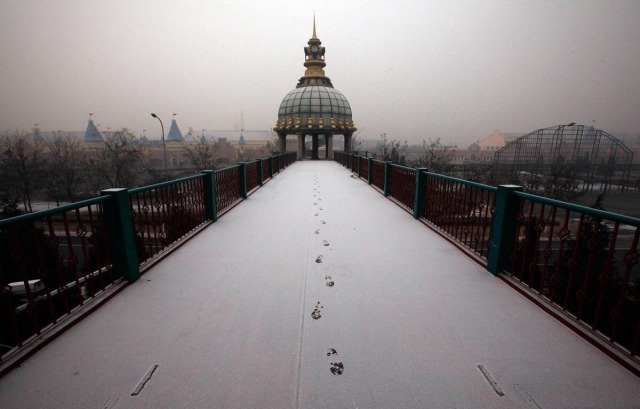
584	261
403	185
581	260
280	160
378	174
461	209
51	263
251	169
364	168
164	213
227	188
265	169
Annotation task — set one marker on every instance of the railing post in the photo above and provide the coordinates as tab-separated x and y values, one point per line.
242	167
210	207
260	181
370	178
271	167
387	178
120	233
359	166
503	230
418	203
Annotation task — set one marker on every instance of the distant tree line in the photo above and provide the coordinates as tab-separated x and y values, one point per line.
64	169
562	181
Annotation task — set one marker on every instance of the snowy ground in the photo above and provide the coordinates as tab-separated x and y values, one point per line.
317	292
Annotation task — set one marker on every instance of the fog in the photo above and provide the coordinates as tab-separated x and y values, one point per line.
411	69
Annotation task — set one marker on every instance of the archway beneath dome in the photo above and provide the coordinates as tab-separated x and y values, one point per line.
320	146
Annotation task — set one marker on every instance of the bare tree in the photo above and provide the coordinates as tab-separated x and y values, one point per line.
65	166
118	161
437	156
394	151
561	181
356	142
477	172
21	166
201	155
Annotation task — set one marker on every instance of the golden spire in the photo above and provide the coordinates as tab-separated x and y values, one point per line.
314	26
314	62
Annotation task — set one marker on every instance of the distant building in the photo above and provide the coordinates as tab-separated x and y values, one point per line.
497	140
588	154
483	151
231	146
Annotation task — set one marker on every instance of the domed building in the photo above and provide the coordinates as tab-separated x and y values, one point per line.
314	107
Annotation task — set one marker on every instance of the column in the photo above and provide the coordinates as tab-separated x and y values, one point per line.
301	147
282	143
314	146
329	139
347	142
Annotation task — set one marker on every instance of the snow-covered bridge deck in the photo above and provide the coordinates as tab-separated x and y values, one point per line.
317	292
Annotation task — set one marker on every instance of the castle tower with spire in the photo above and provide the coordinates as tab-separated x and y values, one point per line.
314	107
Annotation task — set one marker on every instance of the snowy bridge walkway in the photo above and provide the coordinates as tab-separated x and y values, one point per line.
317	292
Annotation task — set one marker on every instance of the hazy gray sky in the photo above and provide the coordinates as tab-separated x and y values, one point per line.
413	69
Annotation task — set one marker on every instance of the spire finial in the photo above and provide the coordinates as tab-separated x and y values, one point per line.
314	61
314	25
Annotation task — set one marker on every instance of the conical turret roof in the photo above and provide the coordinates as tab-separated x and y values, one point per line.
174	132
92	134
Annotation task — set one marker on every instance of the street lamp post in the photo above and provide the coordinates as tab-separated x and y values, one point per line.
557	138
164	148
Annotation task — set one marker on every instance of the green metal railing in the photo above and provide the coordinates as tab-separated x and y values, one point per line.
51	263
460	210
580	261
54	261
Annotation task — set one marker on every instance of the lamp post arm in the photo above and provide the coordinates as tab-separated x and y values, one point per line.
164	148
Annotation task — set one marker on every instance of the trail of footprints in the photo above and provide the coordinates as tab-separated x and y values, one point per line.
336	368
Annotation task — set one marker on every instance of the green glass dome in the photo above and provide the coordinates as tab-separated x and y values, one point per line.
314	108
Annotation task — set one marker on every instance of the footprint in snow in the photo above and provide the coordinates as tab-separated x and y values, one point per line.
337	368
330	282
315	314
